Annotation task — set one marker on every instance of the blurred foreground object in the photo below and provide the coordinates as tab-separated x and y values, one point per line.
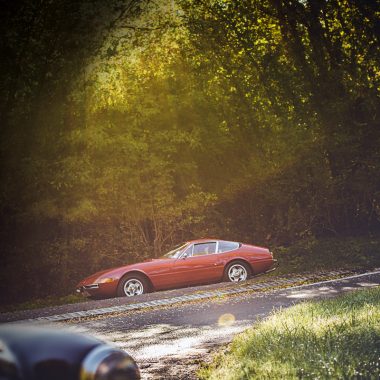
36	353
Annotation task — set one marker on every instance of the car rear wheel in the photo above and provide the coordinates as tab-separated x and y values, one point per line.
132	285
237	272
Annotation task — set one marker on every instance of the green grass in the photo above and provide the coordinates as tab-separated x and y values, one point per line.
333	339
42	302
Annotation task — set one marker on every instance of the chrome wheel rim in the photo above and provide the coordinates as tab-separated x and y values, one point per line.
133	287
237	273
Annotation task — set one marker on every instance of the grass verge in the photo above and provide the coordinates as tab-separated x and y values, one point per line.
42	302
337	339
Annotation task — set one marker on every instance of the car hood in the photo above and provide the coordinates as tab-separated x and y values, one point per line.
119	271
163	259
91	279
142	265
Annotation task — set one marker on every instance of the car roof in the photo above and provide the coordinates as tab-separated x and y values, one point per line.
203	240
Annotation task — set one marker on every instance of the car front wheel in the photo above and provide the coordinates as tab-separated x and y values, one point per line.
237	272
132	285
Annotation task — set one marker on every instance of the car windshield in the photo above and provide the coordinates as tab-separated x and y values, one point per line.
174	253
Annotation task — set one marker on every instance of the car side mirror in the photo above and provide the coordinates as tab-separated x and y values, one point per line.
185	256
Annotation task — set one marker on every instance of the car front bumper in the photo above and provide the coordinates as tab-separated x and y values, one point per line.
88	290
273	267
98	290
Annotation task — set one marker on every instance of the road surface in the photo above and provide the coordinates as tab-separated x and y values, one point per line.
169	342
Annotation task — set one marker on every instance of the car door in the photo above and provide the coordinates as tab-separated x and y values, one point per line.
199	264
160	272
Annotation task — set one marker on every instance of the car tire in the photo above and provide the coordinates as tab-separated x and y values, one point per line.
237	271
133	285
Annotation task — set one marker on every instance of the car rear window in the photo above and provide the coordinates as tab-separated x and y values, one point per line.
225	246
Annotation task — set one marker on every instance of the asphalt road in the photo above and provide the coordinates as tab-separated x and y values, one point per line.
169	342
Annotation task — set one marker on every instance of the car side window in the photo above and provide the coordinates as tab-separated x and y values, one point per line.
225	246
204	249
189	251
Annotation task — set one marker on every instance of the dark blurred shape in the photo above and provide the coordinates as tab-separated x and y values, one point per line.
36	353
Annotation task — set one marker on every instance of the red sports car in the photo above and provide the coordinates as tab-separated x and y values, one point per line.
192	263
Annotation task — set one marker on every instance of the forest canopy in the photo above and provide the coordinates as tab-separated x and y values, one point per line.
129	126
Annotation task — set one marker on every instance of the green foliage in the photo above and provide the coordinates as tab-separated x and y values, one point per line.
330	253
331	339
298	90
130	126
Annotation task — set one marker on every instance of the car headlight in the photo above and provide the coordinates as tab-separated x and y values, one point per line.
108	363
105	280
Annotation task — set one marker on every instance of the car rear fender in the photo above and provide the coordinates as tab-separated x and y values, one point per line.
140	273
238	260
